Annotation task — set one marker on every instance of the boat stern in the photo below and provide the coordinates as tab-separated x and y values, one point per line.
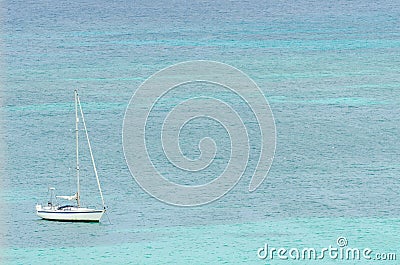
38	207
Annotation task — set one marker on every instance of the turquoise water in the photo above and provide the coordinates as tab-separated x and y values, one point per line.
330	70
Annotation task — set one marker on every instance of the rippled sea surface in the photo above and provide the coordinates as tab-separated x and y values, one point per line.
329	69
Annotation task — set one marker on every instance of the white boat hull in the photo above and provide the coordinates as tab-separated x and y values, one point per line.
74	213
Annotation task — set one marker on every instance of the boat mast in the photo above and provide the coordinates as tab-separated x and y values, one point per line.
90	151
77	147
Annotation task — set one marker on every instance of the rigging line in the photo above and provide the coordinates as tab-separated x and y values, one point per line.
108	218
90	150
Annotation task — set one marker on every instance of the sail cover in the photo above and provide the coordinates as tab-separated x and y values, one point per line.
70	198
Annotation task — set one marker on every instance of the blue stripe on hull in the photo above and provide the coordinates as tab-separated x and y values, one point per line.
99	211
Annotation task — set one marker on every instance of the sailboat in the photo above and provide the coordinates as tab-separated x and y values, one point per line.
52	210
